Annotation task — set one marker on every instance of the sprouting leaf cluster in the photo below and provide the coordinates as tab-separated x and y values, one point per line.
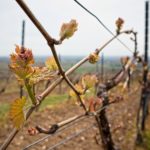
86	86
21	64
28	75
67	29
93	58
119	25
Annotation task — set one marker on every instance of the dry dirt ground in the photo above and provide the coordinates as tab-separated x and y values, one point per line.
122	118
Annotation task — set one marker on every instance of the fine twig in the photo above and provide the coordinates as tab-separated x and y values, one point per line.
57	126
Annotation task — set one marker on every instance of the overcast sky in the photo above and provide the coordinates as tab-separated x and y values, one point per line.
90	34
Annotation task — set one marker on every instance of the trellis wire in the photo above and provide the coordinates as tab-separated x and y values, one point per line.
92	14
71	137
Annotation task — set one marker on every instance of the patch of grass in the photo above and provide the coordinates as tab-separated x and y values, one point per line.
145	144
53	100
4	109
49	101
129	134
146	137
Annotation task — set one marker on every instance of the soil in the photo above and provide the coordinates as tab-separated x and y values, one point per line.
121	116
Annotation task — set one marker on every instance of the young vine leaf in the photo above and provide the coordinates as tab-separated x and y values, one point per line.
51	64
84	87
145	66
133	67
93	58
79	88
124	60
16	112
67	29
41	74
21	62
119	25
89	81
94	104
